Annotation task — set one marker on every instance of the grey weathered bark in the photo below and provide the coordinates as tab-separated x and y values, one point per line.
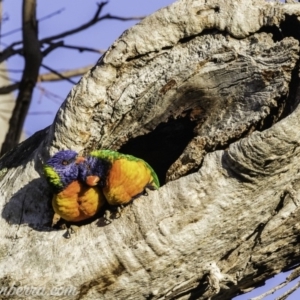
210	85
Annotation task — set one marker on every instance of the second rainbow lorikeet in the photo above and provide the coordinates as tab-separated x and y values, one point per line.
73	200
122	177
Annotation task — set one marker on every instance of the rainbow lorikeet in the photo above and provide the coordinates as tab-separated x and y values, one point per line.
122	177
73	201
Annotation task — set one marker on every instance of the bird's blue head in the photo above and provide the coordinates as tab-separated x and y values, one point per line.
62	169
93	171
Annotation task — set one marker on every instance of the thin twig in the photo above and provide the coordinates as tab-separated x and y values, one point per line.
82	49
289	292
10	50
68	32
35	113
40	20
58	74
271	291
57	12
65	74
295	274
88	24
52	47
11	70
77	29
52	76
51	96
9	88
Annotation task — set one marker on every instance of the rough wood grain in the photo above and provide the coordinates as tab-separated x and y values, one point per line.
207	91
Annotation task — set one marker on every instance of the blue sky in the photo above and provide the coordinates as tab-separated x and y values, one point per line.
49	96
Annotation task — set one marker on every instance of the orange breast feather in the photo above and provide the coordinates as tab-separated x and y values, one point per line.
126	180
78	202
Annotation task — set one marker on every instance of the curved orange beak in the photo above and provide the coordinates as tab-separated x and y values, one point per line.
79	159
92	180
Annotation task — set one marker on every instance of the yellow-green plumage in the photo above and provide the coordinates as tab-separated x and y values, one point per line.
126	178
73	200
52	177
78	202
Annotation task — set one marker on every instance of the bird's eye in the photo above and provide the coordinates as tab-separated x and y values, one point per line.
88	167
65	162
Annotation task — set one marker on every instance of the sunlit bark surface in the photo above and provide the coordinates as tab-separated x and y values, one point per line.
207	92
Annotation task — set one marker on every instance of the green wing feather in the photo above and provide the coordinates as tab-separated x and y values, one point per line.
114	155
52	177
153	174
110	155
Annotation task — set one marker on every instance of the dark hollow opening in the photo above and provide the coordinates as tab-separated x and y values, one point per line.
290	27
161	147
277	34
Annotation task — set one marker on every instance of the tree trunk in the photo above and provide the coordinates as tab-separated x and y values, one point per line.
207	92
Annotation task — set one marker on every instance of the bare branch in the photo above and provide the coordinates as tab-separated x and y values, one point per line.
57	12
5	17
34	113
51	96
88	24
77	29
11	32
295	274
10	51
41	19
11	70
82	49
9	88
58	74
98	11
52	76
33	58
291	277
272	291
52	47
112	17
289	292
65	74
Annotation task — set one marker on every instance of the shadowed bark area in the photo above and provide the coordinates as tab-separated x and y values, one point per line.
208	94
